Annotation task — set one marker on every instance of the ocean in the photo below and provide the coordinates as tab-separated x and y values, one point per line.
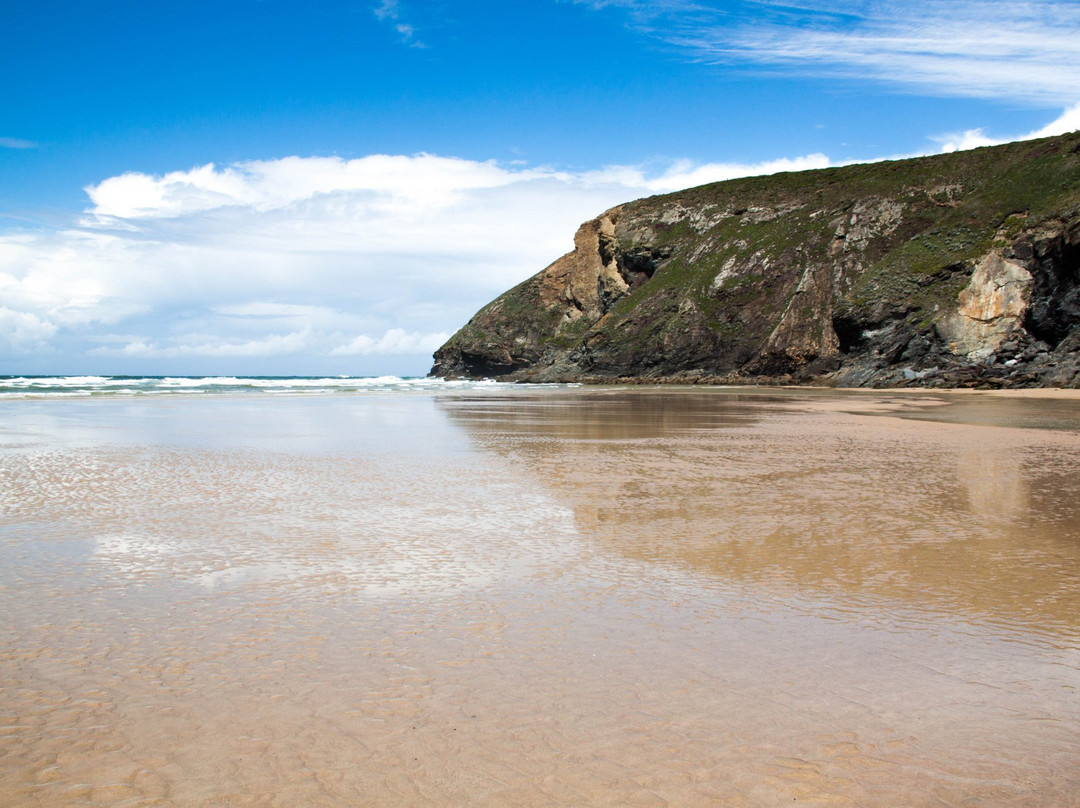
347	591
82	386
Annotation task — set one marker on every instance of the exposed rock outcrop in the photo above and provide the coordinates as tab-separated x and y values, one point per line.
955	270
991	308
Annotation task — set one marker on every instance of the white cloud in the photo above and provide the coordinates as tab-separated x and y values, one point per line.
272	311
208	346
1068	121
971	139
20	329
266	185
687	175
379	186
303	257
1021	50
394	342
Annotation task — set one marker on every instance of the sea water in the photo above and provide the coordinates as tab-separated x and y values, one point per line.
404	592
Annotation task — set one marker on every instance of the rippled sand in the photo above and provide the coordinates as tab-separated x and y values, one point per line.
531	598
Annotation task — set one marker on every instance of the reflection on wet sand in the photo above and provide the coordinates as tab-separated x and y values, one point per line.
793	493
588	597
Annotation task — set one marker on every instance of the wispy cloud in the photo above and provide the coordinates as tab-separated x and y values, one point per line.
389	11
1021	50
303	257
16	143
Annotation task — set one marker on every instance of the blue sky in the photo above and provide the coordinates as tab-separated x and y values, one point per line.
269	186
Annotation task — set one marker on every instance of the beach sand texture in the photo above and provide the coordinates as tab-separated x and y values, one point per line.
541	597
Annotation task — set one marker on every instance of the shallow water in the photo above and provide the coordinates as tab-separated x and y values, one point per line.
540	597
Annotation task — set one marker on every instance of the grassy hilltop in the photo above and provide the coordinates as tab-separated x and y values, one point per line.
957	269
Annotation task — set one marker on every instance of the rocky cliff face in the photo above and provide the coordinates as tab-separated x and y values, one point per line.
956	270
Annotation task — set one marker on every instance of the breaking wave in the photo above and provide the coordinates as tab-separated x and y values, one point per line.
81	386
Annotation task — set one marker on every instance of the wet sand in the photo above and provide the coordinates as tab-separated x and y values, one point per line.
541	597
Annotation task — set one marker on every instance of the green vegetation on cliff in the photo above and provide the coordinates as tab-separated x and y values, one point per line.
961	268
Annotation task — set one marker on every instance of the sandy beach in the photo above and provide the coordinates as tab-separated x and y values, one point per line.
541	597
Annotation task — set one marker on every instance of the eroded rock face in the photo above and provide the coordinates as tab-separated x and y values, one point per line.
990	308
805	331
961	269
585	281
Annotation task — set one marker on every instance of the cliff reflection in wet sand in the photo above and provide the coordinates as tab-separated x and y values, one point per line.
539	598
790	491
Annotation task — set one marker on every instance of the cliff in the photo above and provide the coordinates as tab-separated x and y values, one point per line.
960	269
